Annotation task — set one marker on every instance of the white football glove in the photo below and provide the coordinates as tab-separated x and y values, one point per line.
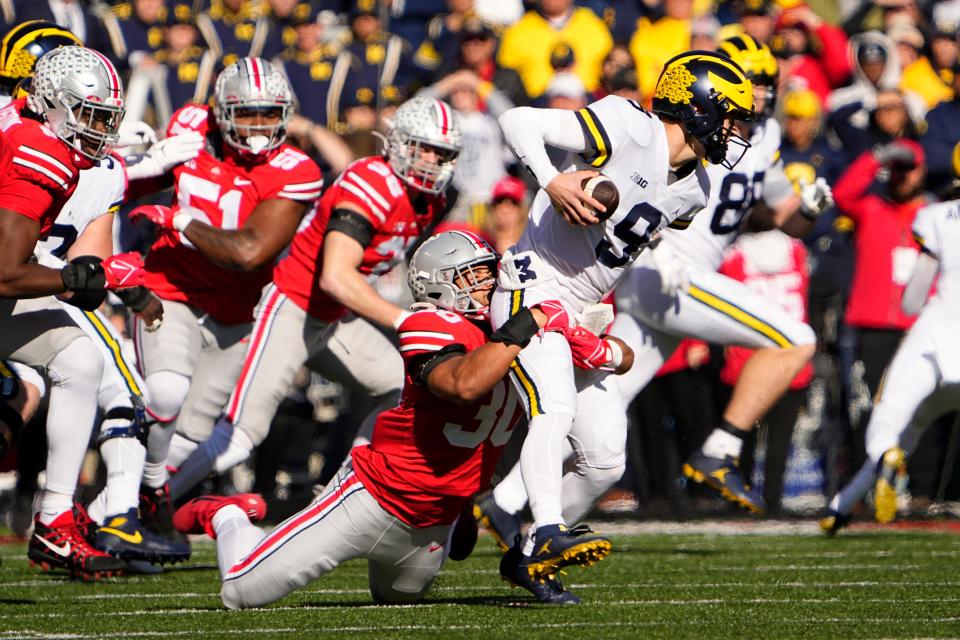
165	155
672	267
815	198
135	133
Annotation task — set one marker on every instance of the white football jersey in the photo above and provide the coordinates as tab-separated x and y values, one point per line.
99	191
732	197
937	230
629	145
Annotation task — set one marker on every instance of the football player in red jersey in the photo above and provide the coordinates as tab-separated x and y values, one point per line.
237	206
68	123
396	500
364	223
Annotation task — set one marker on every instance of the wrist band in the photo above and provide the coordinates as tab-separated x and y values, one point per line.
181	220
616	355
518	330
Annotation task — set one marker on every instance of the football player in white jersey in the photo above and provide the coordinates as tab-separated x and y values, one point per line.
84	227
923	380
567	254
674	291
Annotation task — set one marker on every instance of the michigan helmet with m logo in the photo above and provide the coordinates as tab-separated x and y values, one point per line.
757	62
706	92
26	43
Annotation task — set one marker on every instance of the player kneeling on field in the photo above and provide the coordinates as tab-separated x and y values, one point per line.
395	501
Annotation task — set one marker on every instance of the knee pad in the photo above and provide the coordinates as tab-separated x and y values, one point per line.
79	362
168	390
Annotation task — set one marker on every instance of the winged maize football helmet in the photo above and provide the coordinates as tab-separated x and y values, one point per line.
437	263
79	94
757	62
705	92
248	86
420	124
24	44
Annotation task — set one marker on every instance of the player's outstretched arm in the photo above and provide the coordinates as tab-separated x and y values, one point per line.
348	235
467	378
267	231
918	288
20	278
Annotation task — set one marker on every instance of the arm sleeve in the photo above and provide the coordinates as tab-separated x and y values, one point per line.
527	130
853	185
918	288
925	230
776	185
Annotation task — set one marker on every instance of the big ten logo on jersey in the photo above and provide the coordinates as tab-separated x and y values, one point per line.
287	159
738	193
207	204
189	119
494	420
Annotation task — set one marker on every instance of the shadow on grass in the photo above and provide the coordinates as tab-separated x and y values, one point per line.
16	601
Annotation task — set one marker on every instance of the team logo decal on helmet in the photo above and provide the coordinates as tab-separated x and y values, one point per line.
443	271
424	125
79	94
26	43
252	87
706	92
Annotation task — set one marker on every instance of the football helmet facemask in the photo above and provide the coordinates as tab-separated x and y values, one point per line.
424	124
758	63
446	257
79	94
706	92
246	87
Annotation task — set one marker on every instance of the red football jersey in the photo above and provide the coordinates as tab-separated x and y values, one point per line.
429	456
225	192
40	171
370	184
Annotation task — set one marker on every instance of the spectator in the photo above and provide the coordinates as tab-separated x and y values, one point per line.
235	29
882	13
941	137
887	121
812	54
876	67
566	91
477	45
135	29
657	40
617	59
758	18
282	32
526	45
318	77
622	16
189	67
73	16
442	42
507	214
918	75
885	249
705	33
499	12
774	265
944	49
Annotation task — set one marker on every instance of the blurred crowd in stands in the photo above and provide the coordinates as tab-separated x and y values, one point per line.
867	98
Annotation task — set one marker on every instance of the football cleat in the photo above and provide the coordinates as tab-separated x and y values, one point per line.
196	516
515	569
724	476
123	536
501	525
60	545
156	512
463	537
555	546
85	524
833	522
893	464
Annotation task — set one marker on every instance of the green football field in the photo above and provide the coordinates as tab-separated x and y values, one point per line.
667	580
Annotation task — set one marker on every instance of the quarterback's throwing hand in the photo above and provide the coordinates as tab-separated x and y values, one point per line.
568	198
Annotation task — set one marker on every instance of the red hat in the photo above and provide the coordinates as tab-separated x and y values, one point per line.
510	187
919	158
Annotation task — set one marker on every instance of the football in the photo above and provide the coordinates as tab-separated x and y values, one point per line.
602	189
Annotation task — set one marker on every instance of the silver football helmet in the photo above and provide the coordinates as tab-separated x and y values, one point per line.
435	265
245	87
79	93
418	123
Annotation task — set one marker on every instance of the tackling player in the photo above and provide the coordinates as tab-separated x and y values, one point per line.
84	227
396	500
236	207
68	123
364	223
655	161
923	380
